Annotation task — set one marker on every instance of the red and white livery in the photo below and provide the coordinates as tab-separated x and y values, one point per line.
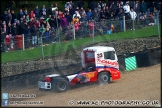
99	63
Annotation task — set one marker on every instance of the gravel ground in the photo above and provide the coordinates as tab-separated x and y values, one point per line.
141	85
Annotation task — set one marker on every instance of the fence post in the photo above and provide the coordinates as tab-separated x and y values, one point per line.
158	24
124	22
42	45
133	27
74	31
23	41
93	33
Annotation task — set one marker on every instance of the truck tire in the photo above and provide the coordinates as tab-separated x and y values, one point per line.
61	84
103	78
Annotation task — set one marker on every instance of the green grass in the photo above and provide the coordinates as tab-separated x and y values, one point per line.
53	49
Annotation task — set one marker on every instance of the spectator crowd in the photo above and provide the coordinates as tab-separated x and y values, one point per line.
51	19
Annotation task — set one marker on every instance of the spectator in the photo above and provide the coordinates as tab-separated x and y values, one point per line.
75	19
77	9
14	31
112	16
76	14
76	26
13	16
56	22
33	31
91	26
83	25
89	14
82	12
60	14
42	29
95	15
66	10
101	4
63	23
69	18
143	7
37	13
5	17
98	7
20	26
31	22
121	15
54	36
26	35
37	24
156	12
102	15
52	22
27	18
10	16
20	14
71	11
50	10
47	33
72	4
67	5
25	12
137	8
49	17
43	11
133	14
126	8
31	15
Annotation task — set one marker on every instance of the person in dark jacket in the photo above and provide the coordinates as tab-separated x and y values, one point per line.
33	31
5	17
69	18
26	35
83	25
20	14
14	30
71	11
121	15
13	16
143	7
37	12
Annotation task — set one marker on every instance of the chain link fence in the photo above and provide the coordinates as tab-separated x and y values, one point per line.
91	29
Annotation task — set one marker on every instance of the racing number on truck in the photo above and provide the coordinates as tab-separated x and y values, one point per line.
99	55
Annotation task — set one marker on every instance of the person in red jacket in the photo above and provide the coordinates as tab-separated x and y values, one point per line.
31	15
91	24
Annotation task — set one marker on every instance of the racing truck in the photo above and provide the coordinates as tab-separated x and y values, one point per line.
99	64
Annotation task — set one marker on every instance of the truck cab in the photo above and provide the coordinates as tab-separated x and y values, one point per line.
101	59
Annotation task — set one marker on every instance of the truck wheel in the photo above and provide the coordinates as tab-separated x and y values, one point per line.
104	78
61	85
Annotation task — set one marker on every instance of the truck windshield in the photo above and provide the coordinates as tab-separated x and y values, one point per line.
90	54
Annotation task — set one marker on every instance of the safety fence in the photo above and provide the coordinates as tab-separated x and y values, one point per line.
91	29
